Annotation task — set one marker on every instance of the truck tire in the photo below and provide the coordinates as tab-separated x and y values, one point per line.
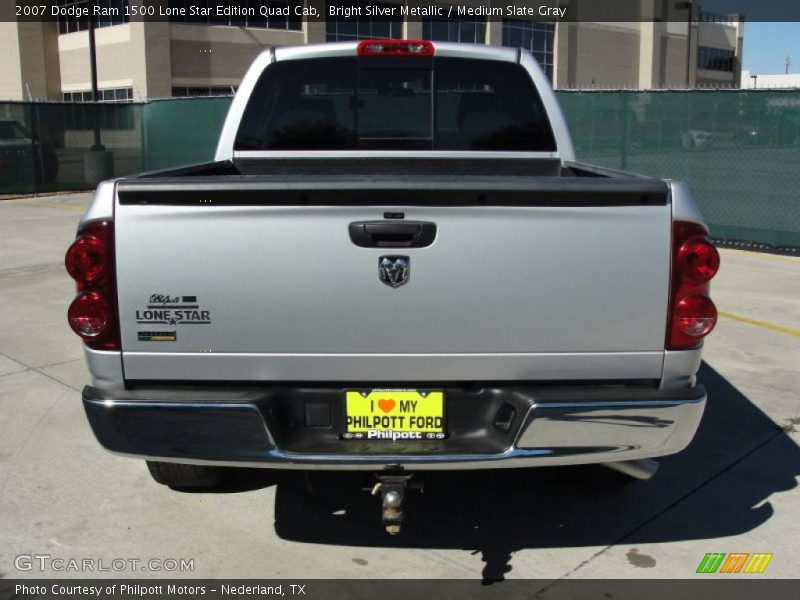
180	476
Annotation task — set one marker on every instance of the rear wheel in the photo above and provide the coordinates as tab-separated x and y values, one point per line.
180	476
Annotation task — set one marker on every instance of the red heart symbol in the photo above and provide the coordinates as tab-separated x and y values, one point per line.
386	405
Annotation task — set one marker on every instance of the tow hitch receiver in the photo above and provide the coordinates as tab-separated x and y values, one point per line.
392	489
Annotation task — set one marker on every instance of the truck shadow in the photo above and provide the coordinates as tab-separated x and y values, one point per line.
496	513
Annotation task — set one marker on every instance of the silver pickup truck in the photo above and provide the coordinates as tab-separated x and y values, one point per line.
394	264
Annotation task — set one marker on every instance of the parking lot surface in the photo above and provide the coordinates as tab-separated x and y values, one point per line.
733	490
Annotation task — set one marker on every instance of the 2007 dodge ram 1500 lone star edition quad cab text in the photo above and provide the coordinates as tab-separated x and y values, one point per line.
394	264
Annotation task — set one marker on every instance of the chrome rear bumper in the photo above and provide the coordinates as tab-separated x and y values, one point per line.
265	428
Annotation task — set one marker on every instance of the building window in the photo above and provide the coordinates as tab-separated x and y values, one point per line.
203	91
705	16
109	95
282	13
115	13
340	28
464	31
116	112
715	59
535	36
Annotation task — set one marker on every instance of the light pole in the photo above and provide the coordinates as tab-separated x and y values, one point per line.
98	163
687	6
98	146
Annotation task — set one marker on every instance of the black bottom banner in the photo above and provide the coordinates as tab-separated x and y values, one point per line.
406	589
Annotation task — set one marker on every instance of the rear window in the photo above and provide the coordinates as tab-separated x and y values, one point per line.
338	104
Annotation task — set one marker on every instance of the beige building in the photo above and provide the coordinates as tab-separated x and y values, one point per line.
671	45
765	81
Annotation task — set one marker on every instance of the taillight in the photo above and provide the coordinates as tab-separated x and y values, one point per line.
86	260
90	262
692	314
698	260
695	316
89	315
395	48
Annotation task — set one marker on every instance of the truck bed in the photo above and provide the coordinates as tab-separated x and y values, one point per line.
391	165
356	181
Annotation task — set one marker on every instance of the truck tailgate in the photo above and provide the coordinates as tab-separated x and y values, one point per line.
527	279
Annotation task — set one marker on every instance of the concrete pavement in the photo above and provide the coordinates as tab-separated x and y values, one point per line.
733	490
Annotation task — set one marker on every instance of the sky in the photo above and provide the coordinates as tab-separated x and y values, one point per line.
765	45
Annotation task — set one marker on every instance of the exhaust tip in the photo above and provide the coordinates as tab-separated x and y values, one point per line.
643	469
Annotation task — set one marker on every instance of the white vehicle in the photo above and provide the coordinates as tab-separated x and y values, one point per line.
394	264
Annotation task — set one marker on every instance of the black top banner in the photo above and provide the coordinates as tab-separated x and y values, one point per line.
238	12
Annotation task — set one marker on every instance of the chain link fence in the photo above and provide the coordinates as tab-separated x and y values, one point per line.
738	150
51	147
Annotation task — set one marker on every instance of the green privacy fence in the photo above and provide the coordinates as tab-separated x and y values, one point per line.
738	150
180	132
44	147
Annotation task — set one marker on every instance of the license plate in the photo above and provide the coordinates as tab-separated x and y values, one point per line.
394	415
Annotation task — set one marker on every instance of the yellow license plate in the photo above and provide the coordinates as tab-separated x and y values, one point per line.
394	415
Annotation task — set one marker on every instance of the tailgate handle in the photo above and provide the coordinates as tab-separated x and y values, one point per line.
392	234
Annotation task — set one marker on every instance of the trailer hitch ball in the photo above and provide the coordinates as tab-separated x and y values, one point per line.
392	499
392	489
392	508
